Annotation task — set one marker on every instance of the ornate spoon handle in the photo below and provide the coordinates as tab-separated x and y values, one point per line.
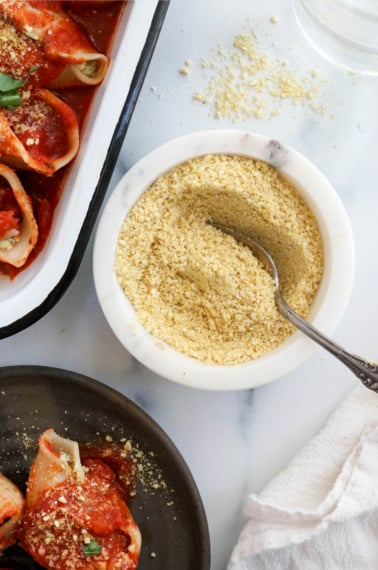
365	371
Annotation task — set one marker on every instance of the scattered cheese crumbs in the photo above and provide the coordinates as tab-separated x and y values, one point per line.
245	82
108	438
128	446
184	69
153	554
274	19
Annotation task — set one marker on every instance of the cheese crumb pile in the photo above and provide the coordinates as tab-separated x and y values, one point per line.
198	289
245	82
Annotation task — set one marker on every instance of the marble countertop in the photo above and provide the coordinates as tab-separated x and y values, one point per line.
235	442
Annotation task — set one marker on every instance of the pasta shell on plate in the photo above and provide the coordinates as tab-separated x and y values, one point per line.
11	508
18	227
42	134
58	459
75	512
61	38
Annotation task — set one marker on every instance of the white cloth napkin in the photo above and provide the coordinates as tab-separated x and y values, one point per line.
321	511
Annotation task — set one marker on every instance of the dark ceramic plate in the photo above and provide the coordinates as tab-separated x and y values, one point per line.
167	506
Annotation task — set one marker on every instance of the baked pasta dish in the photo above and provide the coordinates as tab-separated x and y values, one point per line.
53	55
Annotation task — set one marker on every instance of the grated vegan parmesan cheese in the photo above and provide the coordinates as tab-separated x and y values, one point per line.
245	81
198	289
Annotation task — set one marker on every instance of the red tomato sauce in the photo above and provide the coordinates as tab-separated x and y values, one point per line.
98	21
46	136
118	461
25	54
67	518
10	212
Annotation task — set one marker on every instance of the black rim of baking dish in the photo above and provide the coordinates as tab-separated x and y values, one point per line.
106	173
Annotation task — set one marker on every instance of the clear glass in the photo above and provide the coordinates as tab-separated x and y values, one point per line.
343	31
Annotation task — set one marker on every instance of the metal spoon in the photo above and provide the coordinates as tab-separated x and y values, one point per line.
365	371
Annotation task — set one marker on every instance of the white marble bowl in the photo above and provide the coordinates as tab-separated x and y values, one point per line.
331	299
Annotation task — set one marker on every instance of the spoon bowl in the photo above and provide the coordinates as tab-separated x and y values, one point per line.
366	371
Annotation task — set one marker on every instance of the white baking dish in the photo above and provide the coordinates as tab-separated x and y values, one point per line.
36	289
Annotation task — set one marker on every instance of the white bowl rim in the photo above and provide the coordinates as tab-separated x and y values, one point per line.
333	294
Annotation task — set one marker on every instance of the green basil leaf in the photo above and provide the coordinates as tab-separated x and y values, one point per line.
9	96
10	100
91	548
9	83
